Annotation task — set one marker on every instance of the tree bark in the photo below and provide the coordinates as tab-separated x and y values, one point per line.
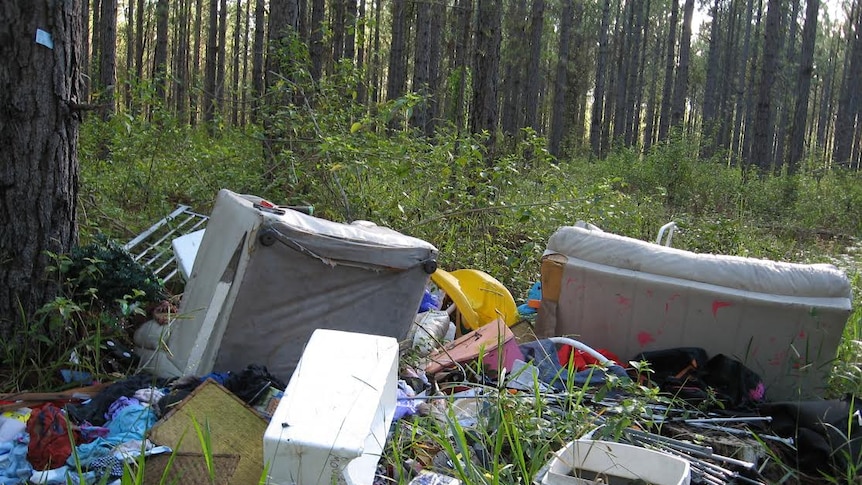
512	84
318	10
803	86
558	109
258	47
160	63
396	84
680	91
599	91
235	89
39	123
531	95
221	63
130	54
763	130
486	64
196	65
667	90
108	58
848	100
210	68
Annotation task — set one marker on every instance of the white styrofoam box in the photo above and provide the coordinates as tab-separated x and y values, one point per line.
185	250
331	425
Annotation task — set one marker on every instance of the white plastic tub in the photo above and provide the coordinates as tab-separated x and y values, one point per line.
332	423
595	460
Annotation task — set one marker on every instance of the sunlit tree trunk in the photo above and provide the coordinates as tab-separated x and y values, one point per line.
803	86
599	90
39	135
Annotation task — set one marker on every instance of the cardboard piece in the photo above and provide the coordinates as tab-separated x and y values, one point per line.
483	341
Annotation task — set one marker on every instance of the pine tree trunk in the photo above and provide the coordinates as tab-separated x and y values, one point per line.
784	95
108	58
181	61
680	91
350	29
396	84
710	90
210	69
486	63
599	91
244	76
667	90
160	62
195	69
560	104
512	84
130	54
318	10
220	62
848	99
531	94
764	119
337	23
39	135
622	76
464	13
234	92
803	86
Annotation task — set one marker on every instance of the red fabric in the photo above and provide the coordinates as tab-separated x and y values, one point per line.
49	438
581	359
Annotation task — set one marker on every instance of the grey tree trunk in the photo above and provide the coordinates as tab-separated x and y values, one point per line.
803	86
39	134
558	109
235	89
512	84
160	59
258	47
130	54
396	84
195	68
318	10
680	90
220	62
848	99
667	90
108	58
531	94
209	96
486	63
764	119
599	91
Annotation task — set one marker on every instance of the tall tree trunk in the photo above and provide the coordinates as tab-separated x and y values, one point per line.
784	95
130	54
244	76
610	95
558	109
622	77
531	94
318	11
803	85
160	62
85	50
139	40
745	101
634	89
181	61
599	91
396	84
667	90
257	57
680	91
764	119
220	62
39	135
210	69
422	64
377	60
337	23
848	100
710	90
464	9
486	62
235	101
512	84
196	65
652	102
824	114
350	29
108	58
362	89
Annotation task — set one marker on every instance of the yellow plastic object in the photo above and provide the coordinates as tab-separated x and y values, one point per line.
479	297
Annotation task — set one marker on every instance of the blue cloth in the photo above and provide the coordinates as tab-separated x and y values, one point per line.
14	467
129	423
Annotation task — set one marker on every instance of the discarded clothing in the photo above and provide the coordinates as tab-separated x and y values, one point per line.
130	423
252	383
50	445
93	411
149	395
14	467
119	404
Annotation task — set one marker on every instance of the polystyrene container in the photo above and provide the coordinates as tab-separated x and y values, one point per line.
331	425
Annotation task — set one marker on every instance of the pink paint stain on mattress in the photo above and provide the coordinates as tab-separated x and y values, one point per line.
644	338
802	334
669	301
719	304
623	301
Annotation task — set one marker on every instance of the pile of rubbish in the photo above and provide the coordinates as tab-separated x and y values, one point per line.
312	352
